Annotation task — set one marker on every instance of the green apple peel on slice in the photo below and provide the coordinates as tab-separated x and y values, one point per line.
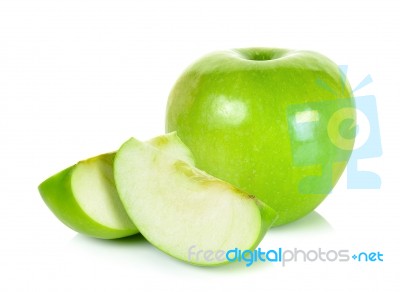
84	196
181	210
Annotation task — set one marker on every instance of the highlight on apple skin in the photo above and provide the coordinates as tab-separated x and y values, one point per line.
276	123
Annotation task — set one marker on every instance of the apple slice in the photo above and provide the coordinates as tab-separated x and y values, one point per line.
84	196
182	210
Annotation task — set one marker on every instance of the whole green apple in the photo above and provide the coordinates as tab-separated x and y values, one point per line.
276	123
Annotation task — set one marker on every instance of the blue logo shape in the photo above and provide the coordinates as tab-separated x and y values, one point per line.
371	147
330	125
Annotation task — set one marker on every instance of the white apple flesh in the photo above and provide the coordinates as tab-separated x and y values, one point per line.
92	183
176	206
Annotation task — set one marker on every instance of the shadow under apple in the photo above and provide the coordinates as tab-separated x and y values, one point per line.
136	250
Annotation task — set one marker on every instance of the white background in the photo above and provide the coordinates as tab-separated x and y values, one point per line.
77	78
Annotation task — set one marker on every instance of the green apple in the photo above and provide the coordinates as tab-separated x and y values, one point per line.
276	123
183	211
84	196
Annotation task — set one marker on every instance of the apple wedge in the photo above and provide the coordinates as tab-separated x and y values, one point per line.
84	196
182	210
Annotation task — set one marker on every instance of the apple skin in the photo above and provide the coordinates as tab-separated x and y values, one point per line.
57	193
240	113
